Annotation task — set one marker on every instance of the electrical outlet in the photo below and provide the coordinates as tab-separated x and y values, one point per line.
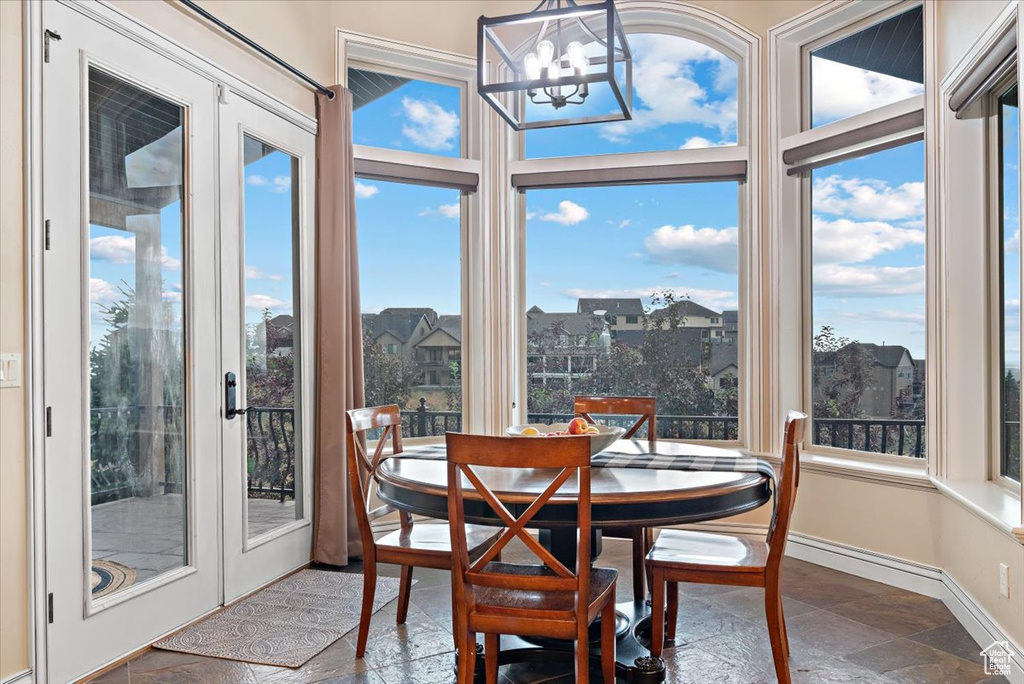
1004	580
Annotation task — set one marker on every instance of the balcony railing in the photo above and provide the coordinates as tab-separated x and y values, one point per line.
877	435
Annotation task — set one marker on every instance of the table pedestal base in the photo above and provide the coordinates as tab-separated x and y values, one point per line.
633	661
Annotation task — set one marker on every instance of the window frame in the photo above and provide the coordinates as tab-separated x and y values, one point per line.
791	210
734	41
425	64
996	240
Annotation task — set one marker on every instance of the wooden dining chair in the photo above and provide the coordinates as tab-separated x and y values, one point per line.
543	600
685	556
646	409
425	546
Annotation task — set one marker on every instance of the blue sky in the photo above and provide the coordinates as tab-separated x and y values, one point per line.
1011	237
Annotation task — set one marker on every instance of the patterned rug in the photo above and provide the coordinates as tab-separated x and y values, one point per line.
109	576
287	623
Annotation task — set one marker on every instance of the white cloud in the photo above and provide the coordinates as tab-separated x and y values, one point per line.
253	273
706	247
445	210
278	184
837	280
568	214
624	223
868	199
260	302
665	83
430	125
698	143
840	91
120	249
365	190
845	241
102	293
718	300
876	315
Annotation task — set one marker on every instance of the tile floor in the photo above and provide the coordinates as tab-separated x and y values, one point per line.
842	629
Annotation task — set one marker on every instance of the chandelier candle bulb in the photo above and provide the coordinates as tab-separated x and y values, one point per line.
546	51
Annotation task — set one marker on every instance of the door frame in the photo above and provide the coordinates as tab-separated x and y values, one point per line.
32	115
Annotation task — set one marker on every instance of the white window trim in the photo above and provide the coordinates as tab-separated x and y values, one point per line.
448	68
736	42
789	125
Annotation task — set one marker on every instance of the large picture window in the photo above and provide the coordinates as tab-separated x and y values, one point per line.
634	291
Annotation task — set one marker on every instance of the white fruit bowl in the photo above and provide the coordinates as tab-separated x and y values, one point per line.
600	441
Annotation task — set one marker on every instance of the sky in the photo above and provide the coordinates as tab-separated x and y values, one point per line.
1011	237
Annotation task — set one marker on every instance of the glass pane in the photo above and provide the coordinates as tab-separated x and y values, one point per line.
271	367
410	272
684	97
868	287
137	332
405	114
1009	182
634	291
882	64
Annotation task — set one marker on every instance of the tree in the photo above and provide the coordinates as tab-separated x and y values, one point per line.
388	378
841	372
453	390
270	377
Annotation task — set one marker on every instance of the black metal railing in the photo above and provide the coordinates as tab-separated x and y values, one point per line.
270	452
116	463
877	435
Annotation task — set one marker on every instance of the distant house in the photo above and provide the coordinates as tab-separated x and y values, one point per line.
690	314
621	314
724	369
275	336
562	345
398	330
893	376
438	349
731	325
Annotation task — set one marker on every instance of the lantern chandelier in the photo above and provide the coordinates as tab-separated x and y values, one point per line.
530	66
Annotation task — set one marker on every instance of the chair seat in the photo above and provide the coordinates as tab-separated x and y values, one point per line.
602	581
436	539
683	549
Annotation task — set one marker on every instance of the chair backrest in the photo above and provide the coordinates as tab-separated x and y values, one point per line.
563	457
644	407
785	491
362	466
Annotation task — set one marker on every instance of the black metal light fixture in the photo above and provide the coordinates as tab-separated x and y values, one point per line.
551	60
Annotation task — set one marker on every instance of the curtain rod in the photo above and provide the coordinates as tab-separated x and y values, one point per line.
257	47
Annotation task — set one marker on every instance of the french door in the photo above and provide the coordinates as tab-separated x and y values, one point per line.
267	248
159	507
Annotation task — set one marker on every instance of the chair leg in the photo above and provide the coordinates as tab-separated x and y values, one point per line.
404	588
582	653
639	556
492	652
672	592
777	631
608	642
369	588
648	545
657	613
467	659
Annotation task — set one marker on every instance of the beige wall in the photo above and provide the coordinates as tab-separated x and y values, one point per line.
13	476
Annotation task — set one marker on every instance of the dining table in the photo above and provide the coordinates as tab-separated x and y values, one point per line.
637	483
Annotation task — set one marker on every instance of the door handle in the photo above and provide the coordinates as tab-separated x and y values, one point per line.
230	391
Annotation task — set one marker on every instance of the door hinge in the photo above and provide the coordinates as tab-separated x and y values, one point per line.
46	238
49	608
49	421
48	35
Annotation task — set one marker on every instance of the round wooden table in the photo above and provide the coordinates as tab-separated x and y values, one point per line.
620	497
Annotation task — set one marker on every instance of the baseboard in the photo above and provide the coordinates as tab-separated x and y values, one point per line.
19	678
979	624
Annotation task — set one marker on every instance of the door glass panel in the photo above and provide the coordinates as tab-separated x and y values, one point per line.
136	279
271	366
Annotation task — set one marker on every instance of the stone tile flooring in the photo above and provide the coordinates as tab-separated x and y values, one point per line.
842	629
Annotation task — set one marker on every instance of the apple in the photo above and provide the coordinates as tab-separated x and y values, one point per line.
578	426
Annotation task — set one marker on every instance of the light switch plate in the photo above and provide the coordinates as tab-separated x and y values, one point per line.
10	370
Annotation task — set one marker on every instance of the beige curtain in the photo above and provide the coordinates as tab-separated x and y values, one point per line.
339	341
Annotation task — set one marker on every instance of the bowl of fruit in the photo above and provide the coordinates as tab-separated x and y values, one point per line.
601	436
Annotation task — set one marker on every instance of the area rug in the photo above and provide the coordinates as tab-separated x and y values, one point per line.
287	623
109	576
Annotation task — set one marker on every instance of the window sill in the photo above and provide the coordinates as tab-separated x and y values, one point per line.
914	475
992	503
